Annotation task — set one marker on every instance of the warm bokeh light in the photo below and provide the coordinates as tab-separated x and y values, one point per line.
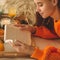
5	21
12	11
1	46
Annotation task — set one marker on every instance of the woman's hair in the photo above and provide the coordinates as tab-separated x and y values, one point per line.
58	4
39	19
47	22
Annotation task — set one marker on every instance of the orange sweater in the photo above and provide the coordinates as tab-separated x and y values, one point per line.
57	27
44	32
49	53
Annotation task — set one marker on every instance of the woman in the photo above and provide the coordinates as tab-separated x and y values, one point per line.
50	11
48	27
48	19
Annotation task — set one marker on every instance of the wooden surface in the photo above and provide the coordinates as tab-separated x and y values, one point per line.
14	56
16	59
42	43
39	42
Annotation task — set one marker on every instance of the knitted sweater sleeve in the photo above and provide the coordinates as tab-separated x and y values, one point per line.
57	27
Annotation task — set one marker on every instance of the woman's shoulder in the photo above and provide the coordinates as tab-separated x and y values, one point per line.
57	27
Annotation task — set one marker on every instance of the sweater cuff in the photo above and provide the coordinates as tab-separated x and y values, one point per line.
37	53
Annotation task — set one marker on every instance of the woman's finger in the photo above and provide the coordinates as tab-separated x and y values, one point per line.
19	43
20	25
26	27
11	43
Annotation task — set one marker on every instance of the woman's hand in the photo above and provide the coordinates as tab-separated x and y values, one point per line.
21	47
30	28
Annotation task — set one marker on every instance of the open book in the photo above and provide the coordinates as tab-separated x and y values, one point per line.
12	33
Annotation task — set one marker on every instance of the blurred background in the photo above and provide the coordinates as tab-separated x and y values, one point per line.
16	12
19	9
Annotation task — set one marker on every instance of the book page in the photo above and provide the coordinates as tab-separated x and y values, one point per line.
12	32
